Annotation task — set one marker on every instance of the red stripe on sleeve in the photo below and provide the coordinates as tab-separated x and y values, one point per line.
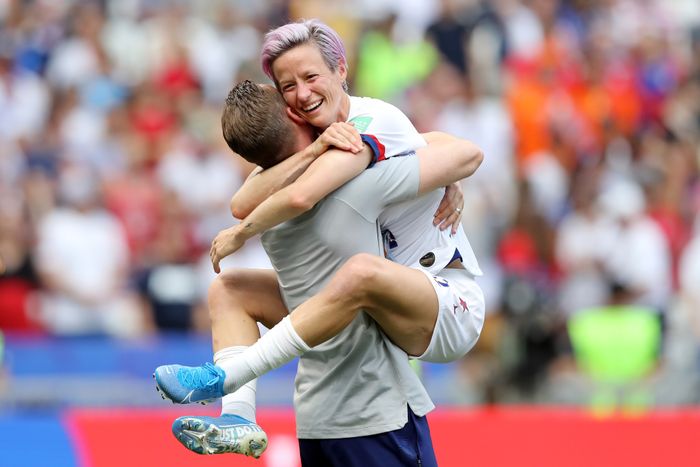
382	150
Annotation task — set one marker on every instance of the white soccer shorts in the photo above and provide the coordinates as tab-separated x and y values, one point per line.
461	310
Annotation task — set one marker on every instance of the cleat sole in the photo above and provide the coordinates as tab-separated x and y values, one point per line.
211	441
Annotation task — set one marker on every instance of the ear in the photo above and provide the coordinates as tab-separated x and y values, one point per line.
343	70
294	116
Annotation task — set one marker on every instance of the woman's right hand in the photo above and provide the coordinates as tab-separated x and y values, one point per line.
340	135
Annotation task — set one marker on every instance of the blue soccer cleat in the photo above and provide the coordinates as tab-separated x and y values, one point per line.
188	384
219	435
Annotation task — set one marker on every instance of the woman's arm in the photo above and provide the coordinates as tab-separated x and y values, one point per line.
261	184
324	175
446	160
458	158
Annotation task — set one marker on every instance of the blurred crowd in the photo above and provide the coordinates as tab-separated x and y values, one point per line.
585	214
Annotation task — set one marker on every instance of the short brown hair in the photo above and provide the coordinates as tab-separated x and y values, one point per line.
255	124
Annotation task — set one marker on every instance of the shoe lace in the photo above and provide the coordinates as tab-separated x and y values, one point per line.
201	377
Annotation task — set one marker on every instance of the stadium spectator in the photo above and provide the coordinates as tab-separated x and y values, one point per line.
617	348
168	283
581	248
604	88
388	66
18	277
637	253
83	260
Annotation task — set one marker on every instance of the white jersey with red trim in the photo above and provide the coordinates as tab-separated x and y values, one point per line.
386	126
409	235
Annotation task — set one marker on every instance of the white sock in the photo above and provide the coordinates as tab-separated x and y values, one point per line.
241	402
278	346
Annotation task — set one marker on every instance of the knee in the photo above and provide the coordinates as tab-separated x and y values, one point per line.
356	278
221	292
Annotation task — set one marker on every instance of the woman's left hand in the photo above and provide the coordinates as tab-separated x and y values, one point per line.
449	213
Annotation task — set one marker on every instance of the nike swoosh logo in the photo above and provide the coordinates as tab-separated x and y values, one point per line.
188	397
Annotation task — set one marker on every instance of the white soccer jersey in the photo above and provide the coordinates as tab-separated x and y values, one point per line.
384	127
359	383
409	236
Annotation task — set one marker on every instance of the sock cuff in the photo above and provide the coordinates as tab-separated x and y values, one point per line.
228	352
296	339
241	408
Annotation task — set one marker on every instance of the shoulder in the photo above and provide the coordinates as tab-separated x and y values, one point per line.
367	113
369	104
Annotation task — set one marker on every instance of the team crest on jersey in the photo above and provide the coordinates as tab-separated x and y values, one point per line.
441	281
361	122
427	260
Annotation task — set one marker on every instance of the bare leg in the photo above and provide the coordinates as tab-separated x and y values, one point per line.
238	300
400	299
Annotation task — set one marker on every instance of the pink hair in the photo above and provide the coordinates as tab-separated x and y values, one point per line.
286	37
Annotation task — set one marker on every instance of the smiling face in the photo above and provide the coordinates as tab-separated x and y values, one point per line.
310	88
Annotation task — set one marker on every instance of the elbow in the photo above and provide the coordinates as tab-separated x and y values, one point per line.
300	202
239	214
473	162
238	209
478	159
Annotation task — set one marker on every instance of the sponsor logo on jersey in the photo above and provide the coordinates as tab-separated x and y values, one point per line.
427	260
361	122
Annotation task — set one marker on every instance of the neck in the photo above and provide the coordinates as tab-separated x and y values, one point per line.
305	135
344	108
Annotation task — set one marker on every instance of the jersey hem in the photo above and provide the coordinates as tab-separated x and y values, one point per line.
341	433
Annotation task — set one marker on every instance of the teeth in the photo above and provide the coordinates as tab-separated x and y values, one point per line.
313	106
